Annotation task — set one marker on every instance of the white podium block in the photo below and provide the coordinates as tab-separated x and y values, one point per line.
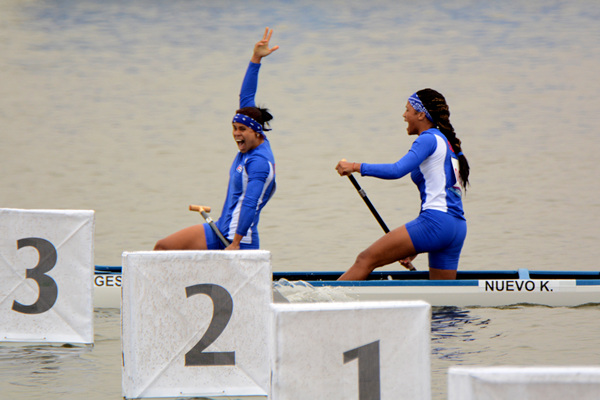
46	276
523	383
352	350
196	323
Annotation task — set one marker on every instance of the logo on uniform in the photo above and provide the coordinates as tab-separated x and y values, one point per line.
239	168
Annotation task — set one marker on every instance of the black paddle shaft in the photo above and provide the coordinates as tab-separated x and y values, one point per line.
363	194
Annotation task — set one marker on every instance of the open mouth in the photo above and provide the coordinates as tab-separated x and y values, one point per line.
240	142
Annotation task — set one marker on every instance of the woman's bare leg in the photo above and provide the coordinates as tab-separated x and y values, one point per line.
191	238
395	245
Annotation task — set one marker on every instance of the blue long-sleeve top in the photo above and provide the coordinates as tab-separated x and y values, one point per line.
251	178
434	169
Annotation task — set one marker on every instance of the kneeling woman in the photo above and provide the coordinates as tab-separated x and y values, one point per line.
251	176
441	172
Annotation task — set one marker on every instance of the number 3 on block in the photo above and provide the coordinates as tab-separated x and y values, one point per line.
222	311
48	290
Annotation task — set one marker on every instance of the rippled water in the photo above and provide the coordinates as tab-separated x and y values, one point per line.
125	108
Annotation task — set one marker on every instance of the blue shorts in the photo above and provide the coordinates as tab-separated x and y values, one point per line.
214	243
439	234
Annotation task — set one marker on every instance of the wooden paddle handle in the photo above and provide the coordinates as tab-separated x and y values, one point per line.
194	207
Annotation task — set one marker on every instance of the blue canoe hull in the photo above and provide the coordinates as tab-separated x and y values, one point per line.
471	288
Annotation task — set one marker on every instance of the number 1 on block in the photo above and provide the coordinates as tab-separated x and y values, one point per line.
368	370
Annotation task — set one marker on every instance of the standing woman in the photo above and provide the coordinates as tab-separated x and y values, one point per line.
251	176
441	172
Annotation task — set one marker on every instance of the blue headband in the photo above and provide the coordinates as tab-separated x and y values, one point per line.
249	122
417	104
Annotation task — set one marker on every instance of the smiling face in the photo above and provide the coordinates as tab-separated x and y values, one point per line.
411	116
417	121
246	138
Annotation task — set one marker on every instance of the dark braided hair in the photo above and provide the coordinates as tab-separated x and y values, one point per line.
436	104
260	115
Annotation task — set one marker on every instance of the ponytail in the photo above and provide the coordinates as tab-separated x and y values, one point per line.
440	112
260	115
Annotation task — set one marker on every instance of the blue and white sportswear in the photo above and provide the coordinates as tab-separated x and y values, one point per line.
251	180
434	169
441	228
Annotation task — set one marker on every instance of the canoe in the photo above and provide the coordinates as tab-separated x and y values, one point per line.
471	288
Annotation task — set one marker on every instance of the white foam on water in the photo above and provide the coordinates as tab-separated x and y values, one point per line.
304	292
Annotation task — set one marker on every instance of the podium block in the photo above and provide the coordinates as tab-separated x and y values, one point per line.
352	350
46	275
523	383
196	323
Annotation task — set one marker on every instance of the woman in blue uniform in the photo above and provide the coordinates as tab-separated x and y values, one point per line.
441	172
251	176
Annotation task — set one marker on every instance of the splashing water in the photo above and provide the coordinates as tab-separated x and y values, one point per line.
304	292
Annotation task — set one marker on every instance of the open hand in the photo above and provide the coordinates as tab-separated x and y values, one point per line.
261	48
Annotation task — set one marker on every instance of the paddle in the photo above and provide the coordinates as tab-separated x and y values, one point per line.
363	194
204	210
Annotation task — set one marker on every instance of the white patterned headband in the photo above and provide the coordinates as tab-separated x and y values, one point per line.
249	122
417	104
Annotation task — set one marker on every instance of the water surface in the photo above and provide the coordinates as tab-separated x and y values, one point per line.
125	108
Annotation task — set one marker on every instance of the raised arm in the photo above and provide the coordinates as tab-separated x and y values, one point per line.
250	83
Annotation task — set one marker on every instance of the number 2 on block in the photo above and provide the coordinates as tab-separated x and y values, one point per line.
222	311
368	370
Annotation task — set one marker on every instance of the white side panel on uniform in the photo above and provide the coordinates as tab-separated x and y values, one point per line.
196	323
46	276
352	350
523	383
